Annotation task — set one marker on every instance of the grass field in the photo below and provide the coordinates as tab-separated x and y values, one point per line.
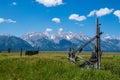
54	66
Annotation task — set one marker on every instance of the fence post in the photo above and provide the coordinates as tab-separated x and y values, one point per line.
21	52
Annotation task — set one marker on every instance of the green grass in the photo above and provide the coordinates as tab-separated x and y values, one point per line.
54	66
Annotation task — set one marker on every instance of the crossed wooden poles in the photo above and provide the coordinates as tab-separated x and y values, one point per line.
95	58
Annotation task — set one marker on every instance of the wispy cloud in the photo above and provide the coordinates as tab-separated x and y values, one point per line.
10	21
76	17
48	30
50	3
56	20
2	20
14	3
100	12
117	13
79	24
92	13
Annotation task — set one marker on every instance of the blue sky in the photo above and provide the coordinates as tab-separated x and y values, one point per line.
18	17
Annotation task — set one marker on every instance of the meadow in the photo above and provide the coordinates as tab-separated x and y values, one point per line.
55	66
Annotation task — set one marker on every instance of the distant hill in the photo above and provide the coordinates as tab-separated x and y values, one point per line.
15	43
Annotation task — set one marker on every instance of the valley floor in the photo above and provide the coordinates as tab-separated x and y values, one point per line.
55	66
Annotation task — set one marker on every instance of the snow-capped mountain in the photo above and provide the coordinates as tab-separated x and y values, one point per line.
33	37
110	43
63	40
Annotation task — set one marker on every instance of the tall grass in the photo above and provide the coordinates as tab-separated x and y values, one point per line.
54	66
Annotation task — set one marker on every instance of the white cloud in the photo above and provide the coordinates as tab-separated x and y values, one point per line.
2	20
103	11
50	3
61	30
14	3
100	12
117	13
57	20
77	17
48	30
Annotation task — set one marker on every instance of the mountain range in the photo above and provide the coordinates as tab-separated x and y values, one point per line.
60	41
